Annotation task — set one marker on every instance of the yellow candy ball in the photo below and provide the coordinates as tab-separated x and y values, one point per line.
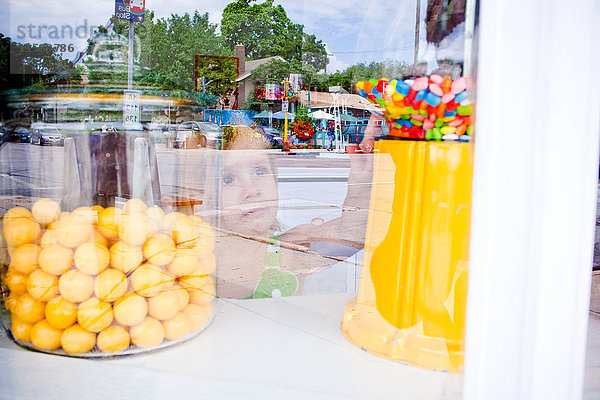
98	209
110	285
42	285
17	212
45	211
44	336
204	236
204	246
48	238
19	227
60	313
113	339
159	249
86	214
75	286
133	229
16	282
91	258
25	258
20	329
125	257
98	238
183	232
134	206
10	250
10	302
108	222
198	315
56	259
202	289
77	340
177	327
130	310
164	305
183	297
149	333
149	280
73	230
94	315
28	308
184	263
207	265
155	213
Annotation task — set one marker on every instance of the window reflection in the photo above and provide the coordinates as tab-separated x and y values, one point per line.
259	255
202	81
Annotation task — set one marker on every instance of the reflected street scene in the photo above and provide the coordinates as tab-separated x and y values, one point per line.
160	160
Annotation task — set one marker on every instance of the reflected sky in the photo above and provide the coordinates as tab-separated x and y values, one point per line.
354	31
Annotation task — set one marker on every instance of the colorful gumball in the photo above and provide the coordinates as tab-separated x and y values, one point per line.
436	89
446	84
461	130
427	125
403	88
461	96
464	110
421	95
432	99
436	79
458	86
447	97
421	83
456	122
427	108
451	106
441	110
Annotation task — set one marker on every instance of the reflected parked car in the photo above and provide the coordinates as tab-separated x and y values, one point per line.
205	133
20	134
273	135
47	135
354	133
4	133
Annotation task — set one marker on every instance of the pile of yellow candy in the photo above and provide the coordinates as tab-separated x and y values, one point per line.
106	279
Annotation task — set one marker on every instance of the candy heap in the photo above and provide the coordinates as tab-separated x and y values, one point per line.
106	279
430	108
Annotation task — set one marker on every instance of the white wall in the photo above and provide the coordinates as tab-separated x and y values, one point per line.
534	202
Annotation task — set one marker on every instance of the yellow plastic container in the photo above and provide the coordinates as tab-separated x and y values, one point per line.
412	298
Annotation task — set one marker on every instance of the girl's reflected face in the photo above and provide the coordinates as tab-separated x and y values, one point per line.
249	198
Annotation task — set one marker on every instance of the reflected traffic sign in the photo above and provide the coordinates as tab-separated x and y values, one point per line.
130	10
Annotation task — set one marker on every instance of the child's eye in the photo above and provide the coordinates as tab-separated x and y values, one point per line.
260	171
227	179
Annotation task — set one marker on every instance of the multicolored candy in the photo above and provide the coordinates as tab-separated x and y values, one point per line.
428	108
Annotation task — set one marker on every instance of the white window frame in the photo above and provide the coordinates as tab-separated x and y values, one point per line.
534	199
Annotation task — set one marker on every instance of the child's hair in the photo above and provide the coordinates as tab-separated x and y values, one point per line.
243	139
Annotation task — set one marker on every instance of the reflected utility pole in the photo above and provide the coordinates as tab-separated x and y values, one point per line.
417	24
130	57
